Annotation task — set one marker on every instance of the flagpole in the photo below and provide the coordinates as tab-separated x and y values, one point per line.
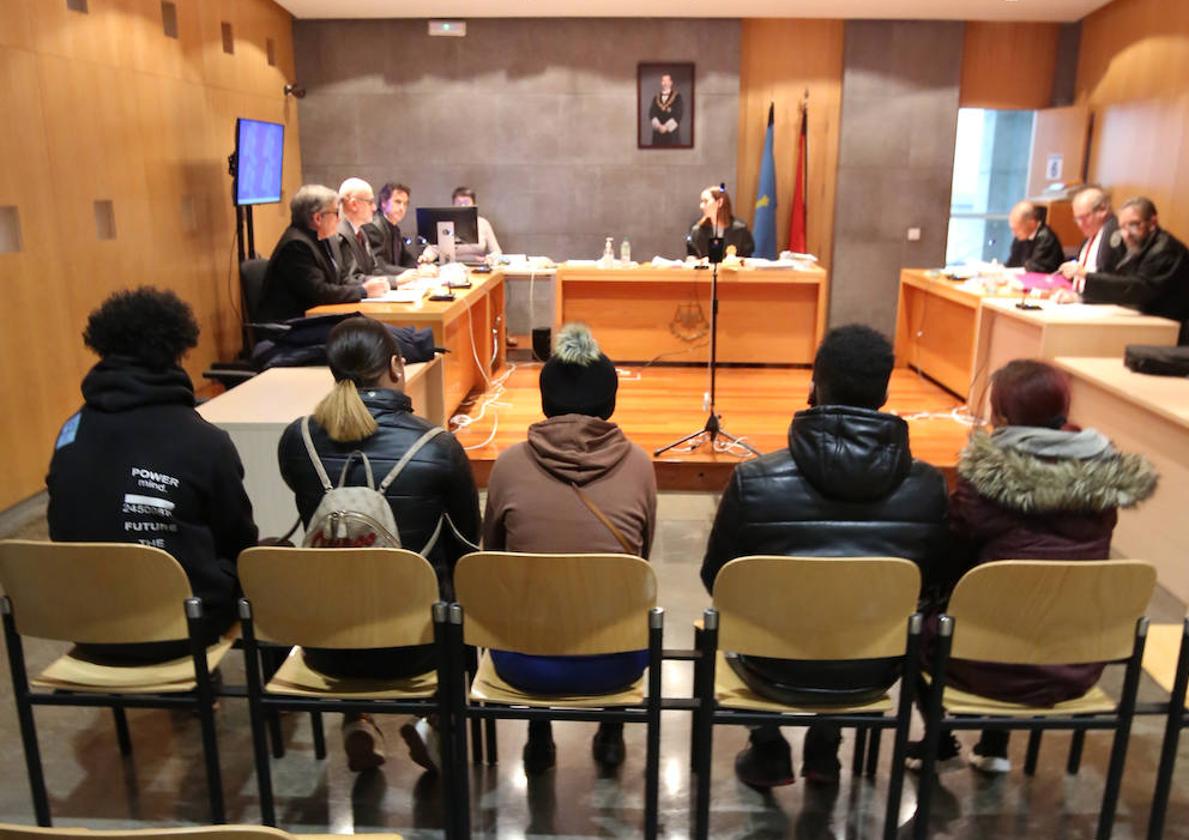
798	216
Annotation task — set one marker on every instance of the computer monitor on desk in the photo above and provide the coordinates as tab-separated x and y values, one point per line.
432	222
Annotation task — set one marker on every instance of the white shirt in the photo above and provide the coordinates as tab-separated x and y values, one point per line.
1088	259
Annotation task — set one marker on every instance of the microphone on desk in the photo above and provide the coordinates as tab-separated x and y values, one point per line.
1024	304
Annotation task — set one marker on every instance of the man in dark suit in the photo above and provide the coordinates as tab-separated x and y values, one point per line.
1103	247
357	203
383	233
1035	246
1154	274
304	269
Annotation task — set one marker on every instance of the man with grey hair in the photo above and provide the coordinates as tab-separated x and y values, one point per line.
1103	246
1035	246
304	270
357	206
1153	275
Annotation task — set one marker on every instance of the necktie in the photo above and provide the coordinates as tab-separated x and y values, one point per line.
359	239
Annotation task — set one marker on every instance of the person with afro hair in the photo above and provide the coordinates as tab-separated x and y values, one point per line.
138	464
844	485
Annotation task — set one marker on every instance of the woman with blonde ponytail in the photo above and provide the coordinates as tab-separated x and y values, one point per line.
367	411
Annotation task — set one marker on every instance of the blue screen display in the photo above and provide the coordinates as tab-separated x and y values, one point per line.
260	147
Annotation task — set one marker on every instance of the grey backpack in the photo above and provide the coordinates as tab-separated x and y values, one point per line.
358	516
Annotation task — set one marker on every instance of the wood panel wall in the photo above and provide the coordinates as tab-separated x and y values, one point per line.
1008	65
779	60
103	106
1132	72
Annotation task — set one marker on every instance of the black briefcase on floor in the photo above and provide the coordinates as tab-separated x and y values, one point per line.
1157	360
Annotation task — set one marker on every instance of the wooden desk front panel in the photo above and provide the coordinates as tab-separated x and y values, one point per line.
1153	531
255	414
935	330
1004	334
764	318
474	313
475	339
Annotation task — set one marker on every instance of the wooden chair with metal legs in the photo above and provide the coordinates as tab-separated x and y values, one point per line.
1161	664
219	832
347	598
1041	612
806	608
561	605
1166	660
106	593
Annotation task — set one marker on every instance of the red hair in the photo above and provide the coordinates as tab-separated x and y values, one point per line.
1026	392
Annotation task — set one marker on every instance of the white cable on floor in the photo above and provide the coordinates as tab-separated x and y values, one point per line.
490	396
959	414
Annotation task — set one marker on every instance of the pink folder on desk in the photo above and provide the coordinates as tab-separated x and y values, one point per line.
1044	282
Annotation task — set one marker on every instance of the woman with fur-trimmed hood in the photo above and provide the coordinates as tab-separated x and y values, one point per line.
1036	488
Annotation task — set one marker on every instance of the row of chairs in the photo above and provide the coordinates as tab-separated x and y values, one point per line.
792	608
221	832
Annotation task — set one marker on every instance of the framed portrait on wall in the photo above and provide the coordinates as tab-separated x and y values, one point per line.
665	105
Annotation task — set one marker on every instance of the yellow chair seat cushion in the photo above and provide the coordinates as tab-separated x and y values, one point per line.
730	692
959	702
489	687
297	679
68	673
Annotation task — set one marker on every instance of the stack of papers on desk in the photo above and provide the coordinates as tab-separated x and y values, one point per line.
796	263
407	294
662	262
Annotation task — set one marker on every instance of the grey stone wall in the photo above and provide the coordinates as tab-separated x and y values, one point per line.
538	116
895	161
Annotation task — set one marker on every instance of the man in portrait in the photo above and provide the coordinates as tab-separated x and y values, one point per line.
665	113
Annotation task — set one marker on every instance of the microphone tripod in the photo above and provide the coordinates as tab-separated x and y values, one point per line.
713	429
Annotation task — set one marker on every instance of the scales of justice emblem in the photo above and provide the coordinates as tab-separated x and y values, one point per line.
689	322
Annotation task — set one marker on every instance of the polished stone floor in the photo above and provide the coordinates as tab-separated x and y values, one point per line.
163	782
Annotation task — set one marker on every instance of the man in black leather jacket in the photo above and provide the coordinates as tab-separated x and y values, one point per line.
847	485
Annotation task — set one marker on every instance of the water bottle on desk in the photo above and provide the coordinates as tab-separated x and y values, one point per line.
608	258
625	253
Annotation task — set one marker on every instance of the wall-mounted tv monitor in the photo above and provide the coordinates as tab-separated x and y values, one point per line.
259	152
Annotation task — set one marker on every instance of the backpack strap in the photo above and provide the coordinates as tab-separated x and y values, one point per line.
408	456
313	453
437	532
367	468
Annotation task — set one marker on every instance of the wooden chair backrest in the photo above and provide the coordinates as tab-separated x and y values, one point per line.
555	604
212	832
99	593
1049	612
816	607
339	597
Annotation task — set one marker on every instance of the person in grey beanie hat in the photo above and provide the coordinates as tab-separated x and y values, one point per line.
543	495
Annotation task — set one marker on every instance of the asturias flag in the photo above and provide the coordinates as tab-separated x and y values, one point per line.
763	224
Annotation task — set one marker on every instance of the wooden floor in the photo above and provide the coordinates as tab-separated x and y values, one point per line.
657	405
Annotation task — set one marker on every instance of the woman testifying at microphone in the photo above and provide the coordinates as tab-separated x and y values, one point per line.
717	220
